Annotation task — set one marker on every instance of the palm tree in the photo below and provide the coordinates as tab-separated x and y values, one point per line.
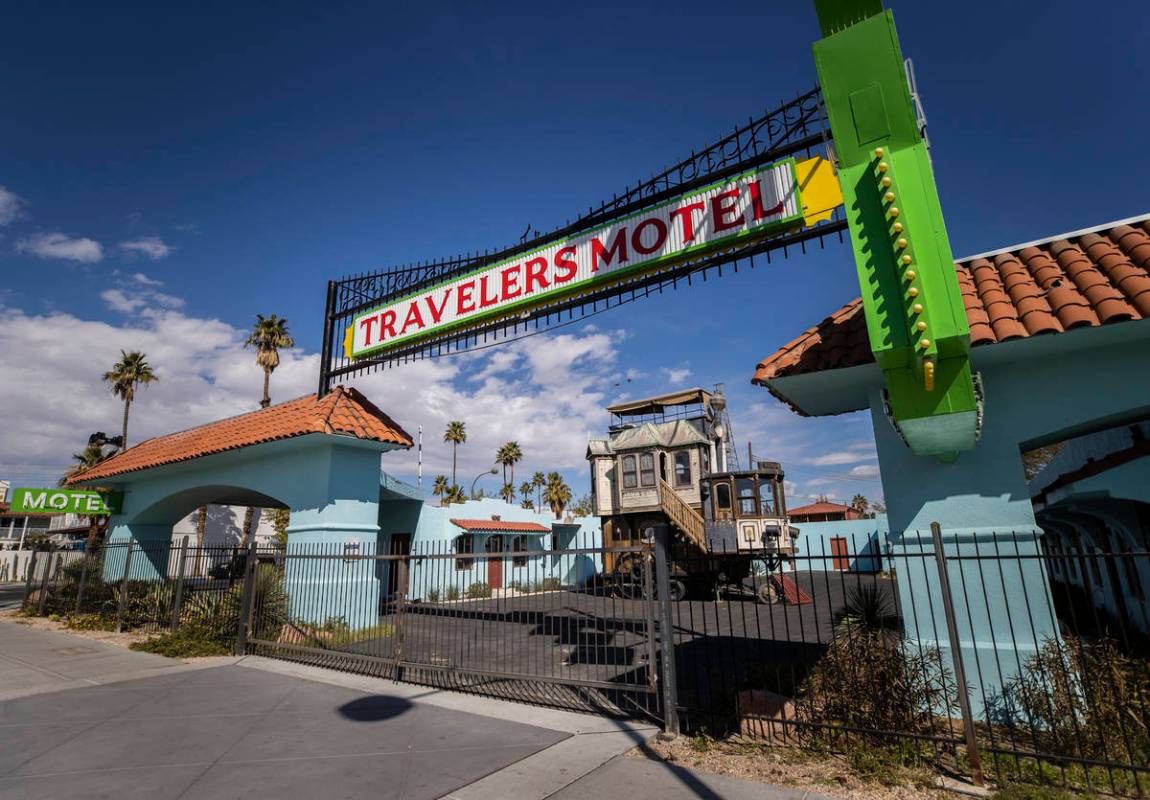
860	504
539	480
525	493
126	374
456	434
501	459
89	457
440	488
268	335
557	493
509	456
455	495
508	493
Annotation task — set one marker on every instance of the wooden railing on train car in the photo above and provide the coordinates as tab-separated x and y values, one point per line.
682	516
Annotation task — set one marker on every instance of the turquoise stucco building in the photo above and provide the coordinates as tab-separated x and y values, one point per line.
320	458
1061	344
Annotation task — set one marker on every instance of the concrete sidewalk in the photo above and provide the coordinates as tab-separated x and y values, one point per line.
80	718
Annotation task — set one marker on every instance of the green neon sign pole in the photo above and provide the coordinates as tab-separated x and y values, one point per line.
914	313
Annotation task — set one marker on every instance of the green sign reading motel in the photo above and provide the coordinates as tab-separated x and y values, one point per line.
66	501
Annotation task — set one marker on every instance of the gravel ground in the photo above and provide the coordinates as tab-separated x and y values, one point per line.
788	766
45	624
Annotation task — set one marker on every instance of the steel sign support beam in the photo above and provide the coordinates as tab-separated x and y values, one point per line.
915	317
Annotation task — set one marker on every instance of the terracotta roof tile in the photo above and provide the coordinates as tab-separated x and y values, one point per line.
342	411
822	507
1098	278
500	526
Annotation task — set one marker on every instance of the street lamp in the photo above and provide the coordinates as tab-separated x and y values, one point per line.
492	471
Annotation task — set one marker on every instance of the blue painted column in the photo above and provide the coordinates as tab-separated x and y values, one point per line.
338	516
150	545
1000	591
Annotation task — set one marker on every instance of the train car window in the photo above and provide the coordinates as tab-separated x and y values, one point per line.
646	470
705	491
767	506
723	496
630	477
682	468
745	488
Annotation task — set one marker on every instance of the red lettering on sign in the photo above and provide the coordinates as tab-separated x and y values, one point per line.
414	317
367	322
685	214
387	325
720	210
757	203
511	281
660	228
535	268
464	302
484	299
565	260
617	249
437	313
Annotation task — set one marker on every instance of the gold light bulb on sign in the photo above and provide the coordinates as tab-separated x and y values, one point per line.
893	211
911	274
916	308
928	375
905	259
885	182
920	326
888	197
897	227
901	244
878	152
924	343
883	166
913	292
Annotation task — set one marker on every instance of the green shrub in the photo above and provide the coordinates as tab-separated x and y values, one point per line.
452	592
91	622
432	596
479	589
550	585
185	642
1083	699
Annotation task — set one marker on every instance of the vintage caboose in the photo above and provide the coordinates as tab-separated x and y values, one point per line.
670	459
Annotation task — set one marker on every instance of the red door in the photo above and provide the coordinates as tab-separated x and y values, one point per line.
495	565
839	552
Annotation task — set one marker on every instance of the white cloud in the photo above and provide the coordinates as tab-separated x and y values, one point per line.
676	375
546	393
151	246
865	471
58	245
137	292
839	457
11	206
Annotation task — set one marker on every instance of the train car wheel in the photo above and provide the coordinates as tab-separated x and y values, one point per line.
767	593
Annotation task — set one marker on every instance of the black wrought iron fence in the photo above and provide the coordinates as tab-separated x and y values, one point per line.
1013	656
1010	656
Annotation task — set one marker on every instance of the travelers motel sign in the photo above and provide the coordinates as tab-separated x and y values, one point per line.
751	204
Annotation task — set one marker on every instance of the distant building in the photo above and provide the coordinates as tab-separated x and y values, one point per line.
823	511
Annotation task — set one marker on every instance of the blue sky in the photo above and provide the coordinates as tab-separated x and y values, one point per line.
170	171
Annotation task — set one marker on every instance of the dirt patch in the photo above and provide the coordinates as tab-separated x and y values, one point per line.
829	775
48	624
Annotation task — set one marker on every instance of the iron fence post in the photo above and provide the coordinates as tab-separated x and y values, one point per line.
244	620
179	598
83	580
28	579
124	587
666	631
652	647
44	585
956	656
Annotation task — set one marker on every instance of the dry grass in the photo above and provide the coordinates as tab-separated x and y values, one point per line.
829	775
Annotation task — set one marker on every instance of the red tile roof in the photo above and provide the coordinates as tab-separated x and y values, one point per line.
479	525
1080	280
822	507
342	411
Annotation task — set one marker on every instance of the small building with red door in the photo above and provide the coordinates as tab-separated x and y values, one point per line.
822	511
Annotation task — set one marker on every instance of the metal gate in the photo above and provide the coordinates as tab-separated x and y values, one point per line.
555	632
